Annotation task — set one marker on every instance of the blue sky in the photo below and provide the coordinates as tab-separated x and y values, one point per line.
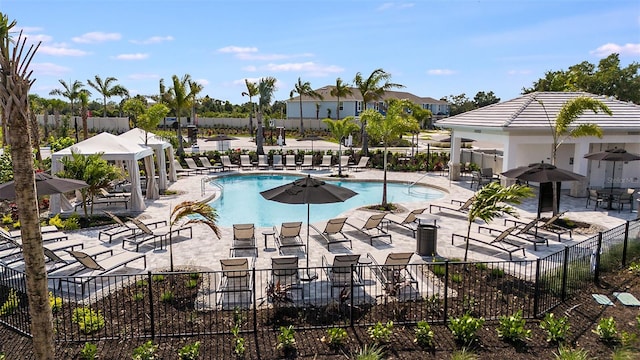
434	48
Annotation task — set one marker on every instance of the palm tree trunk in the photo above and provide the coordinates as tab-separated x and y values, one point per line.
384	181
259	135
35	136
301	124
251	118
466	245
338	109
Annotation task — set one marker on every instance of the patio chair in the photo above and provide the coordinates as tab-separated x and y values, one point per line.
191	164
106	194
394	273
236	284
409	222
479	180
245	162
121	227
263	162
43	229
307	162
547	226
372	227
332	232
207	164
285	274
596	197
244	238
289	236
180	170
290	162
61	261
522	232
462	208
277	162
161	233
342	271
90	267
362	164
344	163
227	164
626	197
326	162
499	242
53	235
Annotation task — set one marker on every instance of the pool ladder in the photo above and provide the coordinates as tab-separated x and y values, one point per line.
415	182
209	180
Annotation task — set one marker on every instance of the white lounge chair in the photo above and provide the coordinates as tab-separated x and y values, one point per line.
277	162
180	170
307	162
227	164
362	164
290	162
192	165
123	227
161	233
245	162
326	162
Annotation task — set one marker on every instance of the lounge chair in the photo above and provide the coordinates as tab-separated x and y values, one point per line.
595	196
332	232
180	170
547	226
372	227
263	162
226	163
245	162
463	206
277	162
90	267
106	194
244	238
236	283
60	261
49	233
207	164
108	201
192	165
500	242
289	236
344	163
161	233
307	162
522	232
394	274
290	162
43	229
12	247
122	227
326	162
362	164
409	222
342	271
285	274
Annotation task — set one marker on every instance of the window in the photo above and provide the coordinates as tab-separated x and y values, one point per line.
341	105
359	106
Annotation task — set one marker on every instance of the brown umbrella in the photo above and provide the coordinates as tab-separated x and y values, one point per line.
448	140
542	173
613	155
45	185
220	137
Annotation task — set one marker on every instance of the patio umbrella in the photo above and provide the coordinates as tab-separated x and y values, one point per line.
220	137
311	138
45	185
448	140
613	155
308	191
541	173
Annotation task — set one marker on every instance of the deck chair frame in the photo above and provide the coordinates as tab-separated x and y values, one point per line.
326	162
372	228
191	164
342	271
409	220
245	162
289	236
463	206
285	273
362	164
244	238
546	227
290	162
121	227
277	162
307	162
499	242
227	164
522	232
394	271
180	170
235	277
161	233
332	228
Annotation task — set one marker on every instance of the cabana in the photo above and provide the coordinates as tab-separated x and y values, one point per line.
163	150
113	148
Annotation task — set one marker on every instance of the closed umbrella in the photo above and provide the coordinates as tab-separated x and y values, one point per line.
448	140
45	185
613	155
311	138
220	137
308	191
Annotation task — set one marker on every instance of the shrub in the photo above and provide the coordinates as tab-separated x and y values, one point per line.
72	222
11	304
55	302
497	272
482	266
286	339
166	296
145	351
89	351
189	351
157	278
88	320
424	334
557	328
56	221
7	219
464	354
373	352
567	353
512	327
456	278
380	333
438	270
138	296
192	283
335	337
464	328
16	225
239	346
606	330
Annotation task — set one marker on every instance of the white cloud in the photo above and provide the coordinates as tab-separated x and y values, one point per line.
144	76
610	48
241	81
519	72
137	56
440	72
50	69
153	40
394	5
270	57
203	82
237	49
96	37
250	68
310	68
60	50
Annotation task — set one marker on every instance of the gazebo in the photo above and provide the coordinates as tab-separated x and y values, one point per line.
113	148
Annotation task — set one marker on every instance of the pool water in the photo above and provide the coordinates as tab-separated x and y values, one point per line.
241	201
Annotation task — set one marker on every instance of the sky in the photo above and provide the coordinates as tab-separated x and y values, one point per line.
435	48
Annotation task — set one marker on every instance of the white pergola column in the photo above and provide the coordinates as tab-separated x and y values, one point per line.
454	158
580	166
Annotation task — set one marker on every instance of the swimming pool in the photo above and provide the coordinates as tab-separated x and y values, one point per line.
241	201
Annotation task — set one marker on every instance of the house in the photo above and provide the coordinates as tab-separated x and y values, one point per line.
523	126
351	105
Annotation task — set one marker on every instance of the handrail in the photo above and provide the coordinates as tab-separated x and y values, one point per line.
415	182
209	180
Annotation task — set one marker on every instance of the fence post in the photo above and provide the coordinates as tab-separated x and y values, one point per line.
596	273
626	243
150	297
351	296
565	269
446	287
536	294
255	305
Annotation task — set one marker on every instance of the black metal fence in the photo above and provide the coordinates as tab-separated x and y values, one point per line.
198	303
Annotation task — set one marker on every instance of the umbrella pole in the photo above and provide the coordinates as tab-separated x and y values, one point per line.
308	275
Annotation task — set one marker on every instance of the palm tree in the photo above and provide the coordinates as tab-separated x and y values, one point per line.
562	129
266	88
371	89
14	89
194	89
340	90
205	215
57	105
252	90
179	97
390	128
69	91
107	89
492	201
340	129
303	89
83	97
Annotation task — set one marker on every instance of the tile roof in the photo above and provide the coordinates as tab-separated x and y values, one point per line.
325	91
526	112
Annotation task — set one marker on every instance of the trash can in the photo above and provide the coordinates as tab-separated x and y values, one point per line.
426	240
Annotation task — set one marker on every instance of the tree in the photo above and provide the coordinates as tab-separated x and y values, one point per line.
303	89
179	98
14	89
483	99
340	129
186	209
134	107
424	117
562	129
252	90
150	119
57	105
372	88
389	128
493	200
340	91
69	91
84	113
459	104
107	89
266	88
35	106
